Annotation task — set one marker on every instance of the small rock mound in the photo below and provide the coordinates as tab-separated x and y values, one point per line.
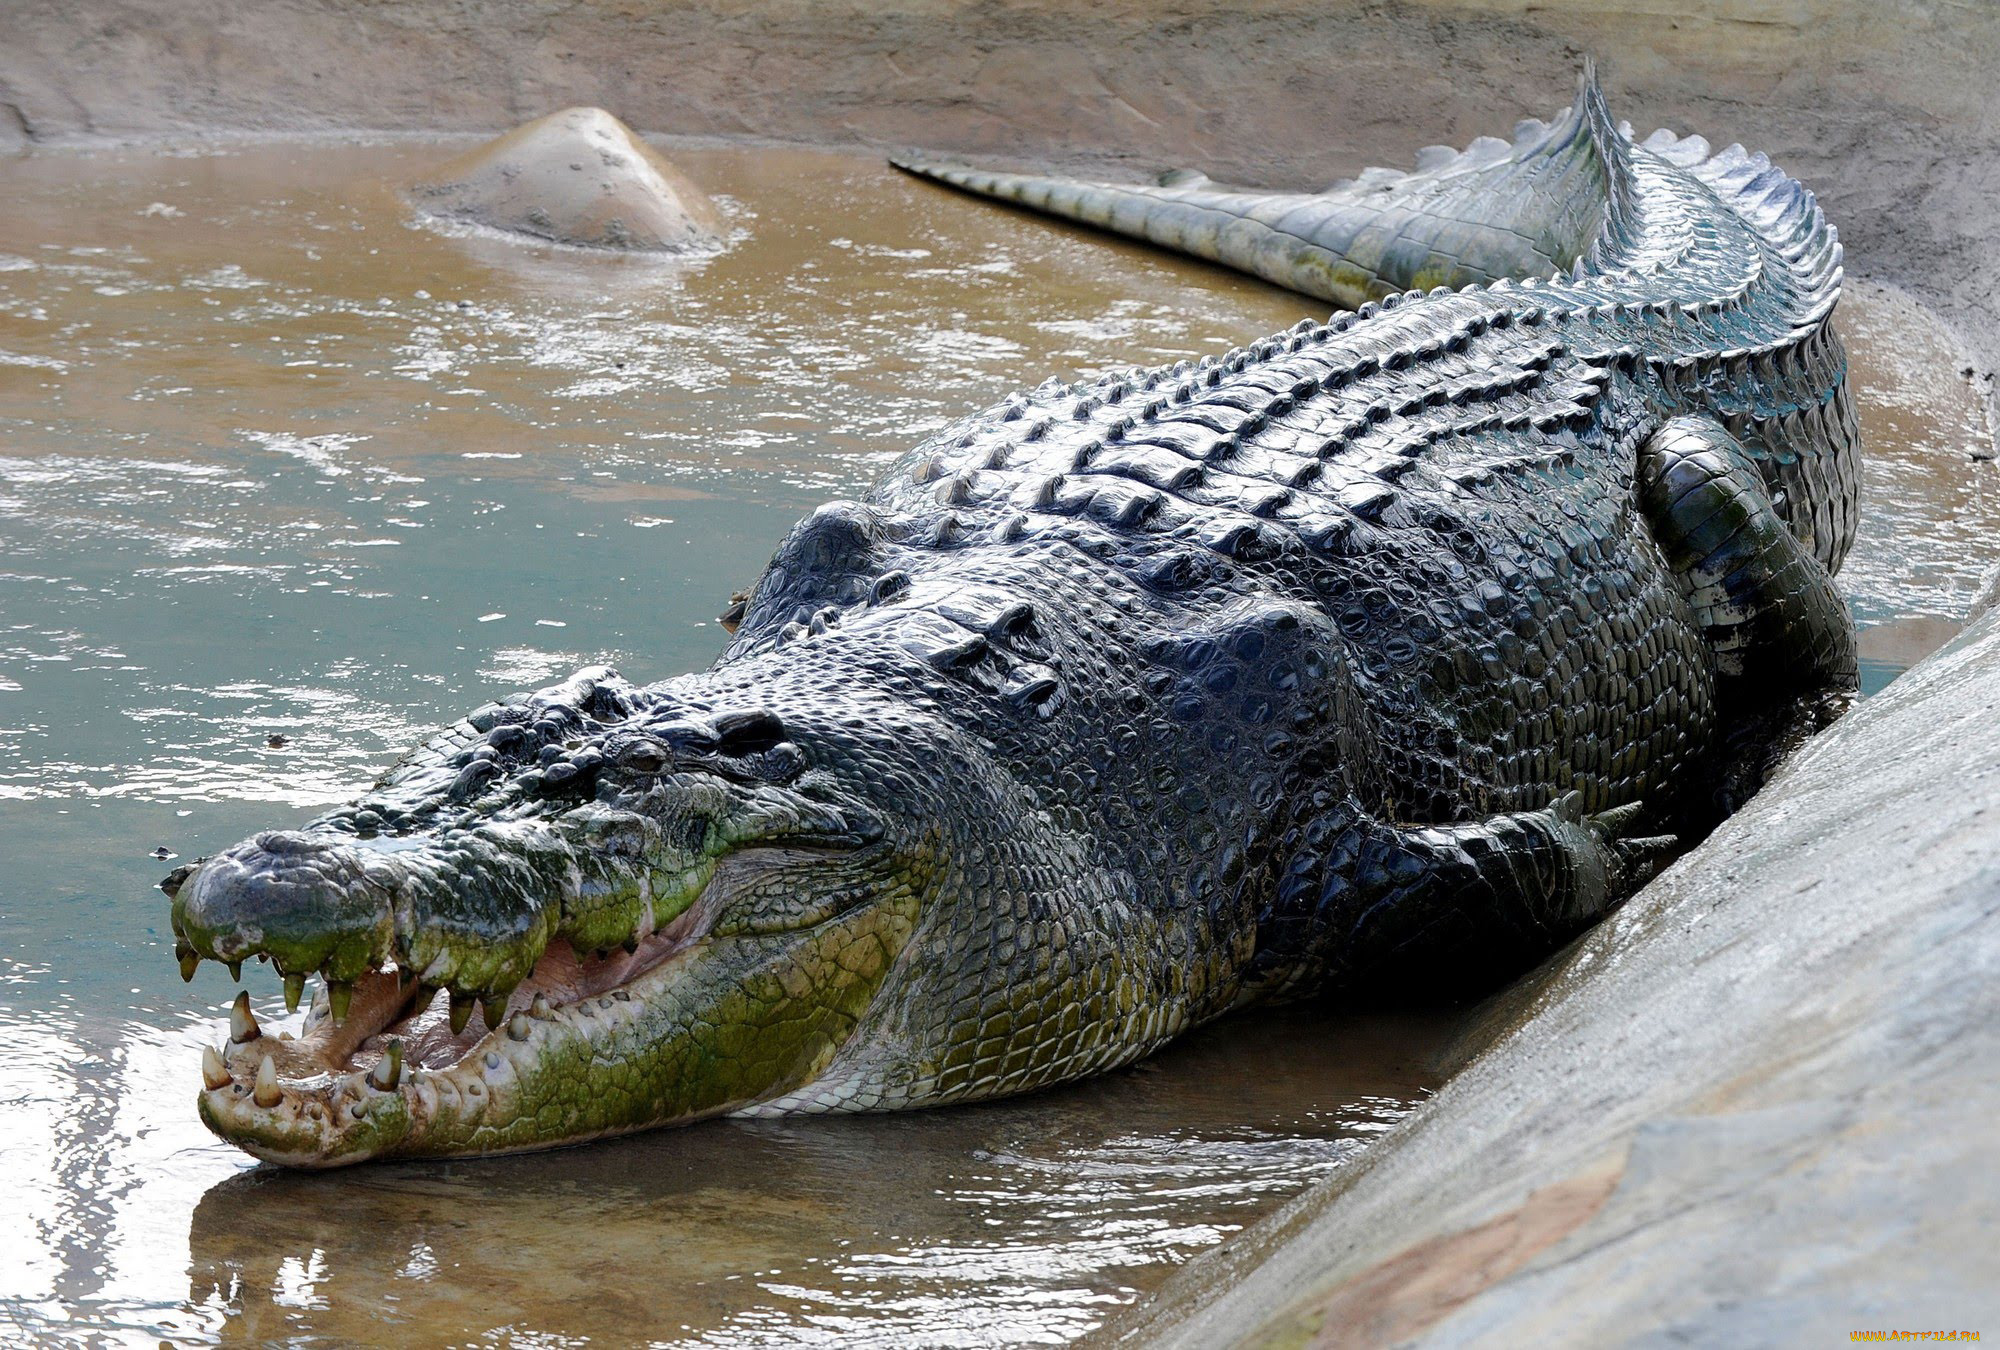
578	177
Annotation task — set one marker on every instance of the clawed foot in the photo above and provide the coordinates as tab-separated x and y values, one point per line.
1611	864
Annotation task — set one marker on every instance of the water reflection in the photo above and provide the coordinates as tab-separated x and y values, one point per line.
1017	1223
285	481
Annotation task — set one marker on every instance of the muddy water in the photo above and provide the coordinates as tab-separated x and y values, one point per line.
286	480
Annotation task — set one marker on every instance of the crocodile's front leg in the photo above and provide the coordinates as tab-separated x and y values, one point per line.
1365	905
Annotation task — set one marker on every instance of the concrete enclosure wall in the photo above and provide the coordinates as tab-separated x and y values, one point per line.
1884	108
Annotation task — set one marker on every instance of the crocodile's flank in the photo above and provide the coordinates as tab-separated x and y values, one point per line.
1379	656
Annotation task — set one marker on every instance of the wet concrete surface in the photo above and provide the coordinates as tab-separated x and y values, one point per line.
277	460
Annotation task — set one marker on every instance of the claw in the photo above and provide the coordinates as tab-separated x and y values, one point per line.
243	1027
1568	807
1644	856
267	1093
214	1073
1618	819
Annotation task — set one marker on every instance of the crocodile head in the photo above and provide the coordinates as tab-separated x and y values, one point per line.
599	909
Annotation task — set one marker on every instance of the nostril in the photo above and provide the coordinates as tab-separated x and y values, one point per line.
290	843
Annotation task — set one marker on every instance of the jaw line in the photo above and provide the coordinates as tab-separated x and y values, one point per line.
331	1113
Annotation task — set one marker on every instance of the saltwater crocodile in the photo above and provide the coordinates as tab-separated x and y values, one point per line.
1381	655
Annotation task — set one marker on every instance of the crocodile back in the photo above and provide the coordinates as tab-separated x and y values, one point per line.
1434	492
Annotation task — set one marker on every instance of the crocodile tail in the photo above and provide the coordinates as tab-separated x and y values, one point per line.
1783	211
1529	207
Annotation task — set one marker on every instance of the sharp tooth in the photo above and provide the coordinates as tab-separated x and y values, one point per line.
236	970
189	963
539	1009
461	1012
242	1022
214	1073
388	1070
295	989
494	1010
517	1026
267	1094
339	995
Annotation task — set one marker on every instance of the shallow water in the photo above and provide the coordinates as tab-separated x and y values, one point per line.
285	481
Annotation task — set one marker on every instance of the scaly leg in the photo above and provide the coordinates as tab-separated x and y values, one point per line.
1373	907
1783	639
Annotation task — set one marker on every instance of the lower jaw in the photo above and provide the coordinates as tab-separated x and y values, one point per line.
685	1038
506	1095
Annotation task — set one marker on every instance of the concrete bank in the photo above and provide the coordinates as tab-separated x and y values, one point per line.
1885	109
1759	1105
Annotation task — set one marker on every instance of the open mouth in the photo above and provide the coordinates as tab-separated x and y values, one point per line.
742	994
393	1017
404	1053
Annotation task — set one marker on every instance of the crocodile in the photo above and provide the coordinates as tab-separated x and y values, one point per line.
1375	659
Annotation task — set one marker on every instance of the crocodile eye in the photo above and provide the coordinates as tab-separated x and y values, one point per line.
643	757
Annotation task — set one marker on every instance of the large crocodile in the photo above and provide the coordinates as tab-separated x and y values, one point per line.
1381	655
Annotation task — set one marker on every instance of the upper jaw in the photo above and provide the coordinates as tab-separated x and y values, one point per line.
472	908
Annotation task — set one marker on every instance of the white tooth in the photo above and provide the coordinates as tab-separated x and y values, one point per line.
214	1073
242	1022
267	1094
388	1070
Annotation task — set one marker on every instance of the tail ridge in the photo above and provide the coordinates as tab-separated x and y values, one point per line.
1531	206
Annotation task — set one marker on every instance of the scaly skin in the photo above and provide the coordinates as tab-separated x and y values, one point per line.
1359	660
